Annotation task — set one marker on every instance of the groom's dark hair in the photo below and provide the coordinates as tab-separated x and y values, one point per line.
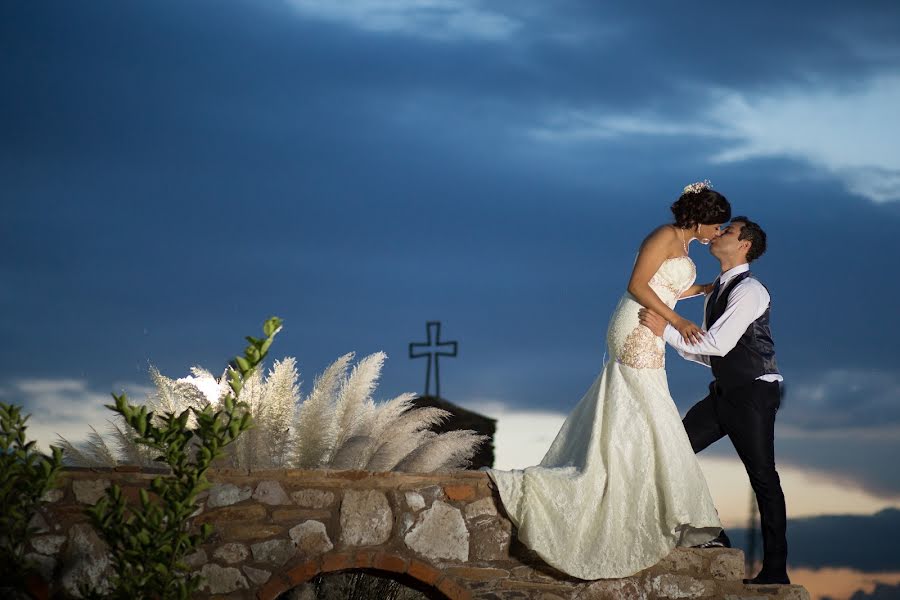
753	233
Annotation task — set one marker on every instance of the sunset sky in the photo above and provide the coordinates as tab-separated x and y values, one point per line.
173	172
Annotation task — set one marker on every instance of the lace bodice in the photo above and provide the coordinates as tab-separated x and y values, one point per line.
673	278
629	342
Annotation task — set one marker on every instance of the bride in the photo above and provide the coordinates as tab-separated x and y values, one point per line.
620	486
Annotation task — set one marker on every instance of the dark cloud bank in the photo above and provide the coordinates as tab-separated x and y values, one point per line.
175	172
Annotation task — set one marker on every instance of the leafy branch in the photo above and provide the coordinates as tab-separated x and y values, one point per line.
149	542
27	475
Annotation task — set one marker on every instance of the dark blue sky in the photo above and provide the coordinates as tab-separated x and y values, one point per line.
174	172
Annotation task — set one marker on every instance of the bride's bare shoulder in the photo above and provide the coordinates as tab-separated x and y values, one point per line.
662	235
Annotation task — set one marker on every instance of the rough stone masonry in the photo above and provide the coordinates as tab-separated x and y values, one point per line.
275	530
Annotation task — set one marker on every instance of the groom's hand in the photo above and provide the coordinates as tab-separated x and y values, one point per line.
652	321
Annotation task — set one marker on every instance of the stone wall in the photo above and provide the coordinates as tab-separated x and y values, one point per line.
274	530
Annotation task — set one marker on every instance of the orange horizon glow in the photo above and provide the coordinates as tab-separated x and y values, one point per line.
839	583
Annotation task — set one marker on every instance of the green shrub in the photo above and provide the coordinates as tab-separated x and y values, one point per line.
148	542
26	476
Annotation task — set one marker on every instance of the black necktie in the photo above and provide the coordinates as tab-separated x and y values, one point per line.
715	291
713	298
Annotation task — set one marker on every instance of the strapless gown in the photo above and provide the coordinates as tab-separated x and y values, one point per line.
620	486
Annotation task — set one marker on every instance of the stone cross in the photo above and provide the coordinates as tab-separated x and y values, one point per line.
432	349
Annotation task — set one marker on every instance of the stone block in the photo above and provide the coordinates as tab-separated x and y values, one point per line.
227	494
298	515
612	589
681	560
490	540
231	553
196	559
669	585
481	508
271	493
311	538
522	573
415	501
89	491
313	498
793	592
537	587
432	493
222	580
366	518
231	514
48	544
407	522
477	573
770	592
86	561
257	576
54	495
440	534
249	531
38	523
727	564
276	552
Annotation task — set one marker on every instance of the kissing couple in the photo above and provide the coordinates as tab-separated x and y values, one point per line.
620	486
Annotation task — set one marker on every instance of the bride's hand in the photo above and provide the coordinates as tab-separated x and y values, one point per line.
688	330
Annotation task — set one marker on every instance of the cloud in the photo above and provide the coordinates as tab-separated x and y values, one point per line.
431	19
66	407
843	398
860	458
852	135
579	125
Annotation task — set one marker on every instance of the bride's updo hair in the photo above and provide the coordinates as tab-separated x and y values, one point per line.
705	207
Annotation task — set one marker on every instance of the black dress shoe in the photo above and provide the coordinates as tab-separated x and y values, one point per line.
721	541
769	579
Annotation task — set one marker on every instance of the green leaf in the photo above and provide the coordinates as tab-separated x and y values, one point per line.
243	364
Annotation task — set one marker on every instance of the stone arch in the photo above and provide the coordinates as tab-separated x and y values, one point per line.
376	561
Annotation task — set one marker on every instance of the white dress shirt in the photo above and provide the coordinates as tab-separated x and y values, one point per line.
747	302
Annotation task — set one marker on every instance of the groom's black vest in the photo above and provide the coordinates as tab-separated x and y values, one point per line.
754	354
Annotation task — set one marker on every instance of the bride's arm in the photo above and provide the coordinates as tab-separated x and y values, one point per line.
654	251
698	289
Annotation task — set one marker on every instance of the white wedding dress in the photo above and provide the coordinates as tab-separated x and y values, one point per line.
620	486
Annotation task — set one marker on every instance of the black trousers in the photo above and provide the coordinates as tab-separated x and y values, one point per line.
747	416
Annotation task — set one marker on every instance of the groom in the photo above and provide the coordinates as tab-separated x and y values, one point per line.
746	393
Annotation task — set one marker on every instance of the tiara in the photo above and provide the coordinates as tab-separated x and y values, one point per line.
698	187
